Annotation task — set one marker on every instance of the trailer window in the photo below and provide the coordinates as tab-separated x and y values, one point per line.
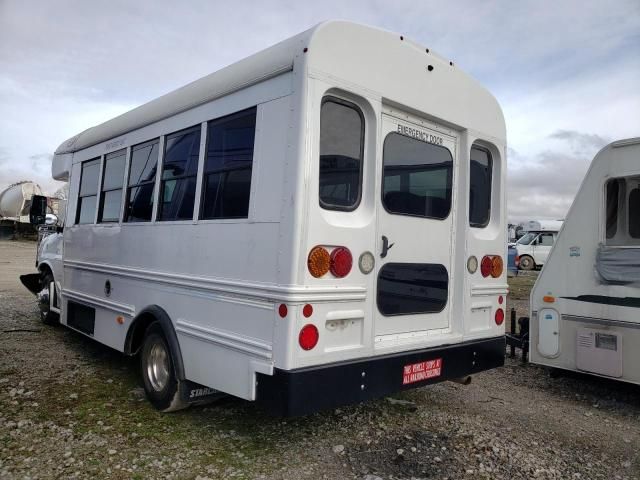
142	176
412	288
417	177
112	180
634	213
613	196
228	164
179	170
480	170
341	153
87	198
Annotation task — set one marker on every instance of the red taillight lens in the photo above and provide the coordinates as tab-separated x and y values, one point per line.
307	310
308	337
341	262
318	262
485	266
282	310
517	260
499	316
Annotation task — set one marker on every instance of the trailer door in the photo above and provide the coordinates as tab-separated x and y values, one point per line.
415	225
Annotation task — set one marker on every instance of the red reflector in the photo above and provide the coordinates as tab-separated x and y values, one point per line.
307	310
308	337
282	310
499	316
485	266
500	299
341	262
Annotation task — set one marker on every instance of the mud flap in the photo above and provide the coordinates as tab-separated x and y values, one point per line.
32	282
196	394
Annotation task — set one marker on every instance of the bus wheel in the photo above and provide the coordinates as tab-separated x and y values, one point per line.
161	385
46	315
527	263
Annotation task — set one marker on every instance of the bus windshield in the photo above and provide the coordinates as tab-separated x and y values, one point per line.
527	239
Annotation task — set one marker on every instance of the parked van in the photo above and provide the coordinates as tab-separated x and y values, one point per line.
534	247
319	224
585	304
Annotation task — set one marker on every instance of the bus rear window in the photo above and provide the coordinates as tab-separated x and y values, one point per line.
412	288
480	187
417	177
341	152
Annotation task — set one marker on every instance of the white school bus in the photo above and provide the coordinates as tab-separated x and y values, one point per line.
319	224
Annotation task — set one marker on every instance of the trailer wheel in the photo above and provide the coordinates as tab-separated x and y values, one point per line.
161	385
46	315
527	263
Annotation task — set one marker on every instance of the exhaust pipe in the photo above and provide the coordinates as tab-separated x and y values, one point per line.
462	380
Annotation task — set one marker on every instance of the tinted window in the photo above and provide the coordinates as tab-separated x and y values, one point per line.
142	176
613	195
112	183
410	288
480	169
341	152
87	199
545	239
417	177
634	213
228	163
179	170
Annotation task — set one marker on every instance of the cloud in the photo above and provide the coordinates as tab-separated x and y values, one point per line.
543	186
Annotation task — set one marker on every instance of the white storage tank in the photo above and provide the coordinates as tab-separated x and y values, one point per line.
15	199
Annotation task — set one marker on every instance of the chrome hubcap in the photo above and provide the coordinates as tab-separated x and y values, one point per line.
158	367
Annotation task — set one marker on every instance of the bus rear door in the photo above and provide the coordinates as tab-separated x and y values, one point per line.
414	228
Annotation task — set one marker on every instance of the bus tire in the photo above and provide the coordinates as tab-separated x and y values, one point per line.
161	384
527	263
46	315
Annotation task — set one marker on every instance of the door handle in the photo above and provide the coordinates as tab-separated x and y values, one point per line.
385	246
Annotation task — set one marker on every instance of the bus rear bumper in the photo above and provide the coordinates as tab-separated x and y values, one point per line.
307	390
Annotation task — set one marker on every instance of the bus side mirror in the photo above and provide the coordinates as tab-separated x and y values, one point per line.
38	210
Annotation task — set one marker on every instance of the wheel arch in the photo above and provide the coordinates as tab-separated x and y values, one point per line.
45	267
138	327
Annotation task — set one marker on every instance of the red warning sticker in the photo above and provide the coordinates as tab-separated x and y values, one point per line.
417	372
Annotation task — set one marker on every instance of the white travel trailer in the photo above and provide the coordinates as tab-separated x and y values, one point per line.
533	248
585	304
319	224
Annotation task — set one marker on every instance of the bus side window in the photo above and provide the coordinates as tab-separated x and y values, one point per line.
228	163
112	178
341	154
142	175
480	172
88	196
634	213
179	171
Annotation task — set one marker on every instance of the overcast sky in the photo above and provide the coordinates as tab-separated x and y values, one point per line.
567	73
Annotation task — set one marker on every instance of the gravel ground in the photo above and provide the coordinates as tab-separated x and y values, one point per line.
70	408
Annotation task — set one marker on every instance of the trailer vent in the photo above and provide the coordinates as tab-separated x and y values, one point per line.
599	352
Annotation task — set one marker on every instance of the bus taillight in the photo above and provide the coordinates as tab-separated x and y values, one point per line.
496	266
338	262
485	266
308	337
319	261
491	265
341	262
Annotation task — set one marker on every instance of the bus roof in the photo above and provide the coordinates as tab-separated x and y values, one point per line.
343	50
